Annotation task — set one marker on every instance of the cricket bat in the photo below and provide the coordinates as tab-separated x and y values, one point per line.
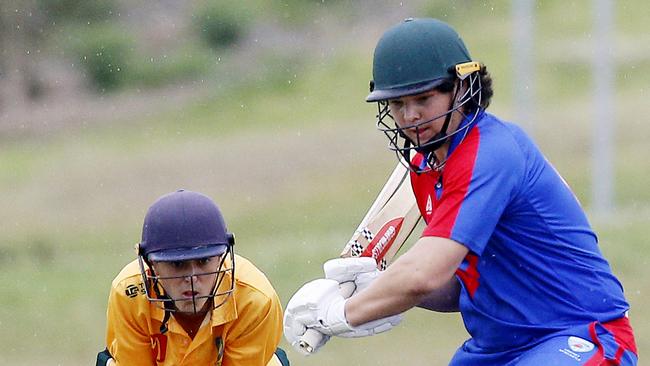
380	235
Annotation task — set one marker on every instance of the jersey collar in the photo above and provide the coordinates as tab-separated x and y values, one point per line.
468	121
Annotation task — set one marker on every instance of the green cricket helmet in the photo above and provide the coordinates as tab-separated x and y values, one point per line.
413	57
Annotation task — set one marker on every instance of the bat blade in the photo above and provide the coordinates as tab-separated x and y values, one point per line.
380	235
389	222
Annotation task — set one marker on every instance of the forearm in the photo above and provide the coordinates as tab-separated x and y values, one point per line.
444	299
427	267
384	297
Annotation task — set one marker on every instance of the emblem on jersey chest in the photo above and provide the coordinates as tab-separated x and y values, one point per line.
428	191
429	206
438	188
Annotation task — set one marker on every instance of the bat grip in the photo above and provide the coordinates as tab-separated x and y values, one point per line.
312	337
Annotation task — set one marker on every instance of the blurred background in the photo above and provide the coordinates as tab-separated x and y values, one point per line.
105	105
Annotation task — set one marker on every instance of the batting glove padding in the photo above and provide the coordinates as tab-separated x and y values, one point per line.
360	270
320	306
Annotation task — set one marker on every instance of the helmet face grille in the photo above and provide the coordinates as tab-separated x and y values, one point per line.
405	149
224	279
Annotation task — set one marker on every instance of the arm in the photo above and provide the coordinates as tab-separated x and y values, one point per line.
424	274
443	300
426	269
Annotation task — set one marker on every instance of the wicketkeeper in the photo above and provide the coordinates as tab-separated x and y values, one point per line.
506	242
181	302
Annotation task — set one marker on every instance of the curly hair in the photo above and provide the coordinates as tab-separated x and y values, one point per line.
486	90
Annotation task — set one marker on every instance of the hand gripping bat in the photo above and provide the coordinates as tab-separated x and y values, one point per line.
380	235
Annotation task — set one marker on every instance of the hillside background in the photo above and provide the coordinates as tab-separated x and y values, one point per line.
105	105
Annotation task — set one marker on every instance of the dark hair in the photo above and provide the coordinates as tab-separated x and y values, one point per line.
486	90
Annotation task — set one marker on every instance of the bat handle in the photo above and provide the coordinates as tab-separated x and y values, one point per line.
312	337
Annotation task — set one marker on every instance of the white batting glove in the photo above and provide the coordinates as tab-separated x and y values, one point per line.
360	270
301	310
320	306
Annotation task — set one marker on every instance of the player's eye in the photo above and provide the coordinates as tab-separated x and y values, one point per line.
395	103
204	261
177	264
423	99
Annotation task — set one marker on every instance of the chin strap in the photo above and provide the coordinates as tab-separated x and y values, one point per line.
163	326
439	139
168	309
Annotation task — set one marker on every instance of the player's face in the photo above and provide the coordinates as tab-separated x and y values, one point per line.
422	115
189	283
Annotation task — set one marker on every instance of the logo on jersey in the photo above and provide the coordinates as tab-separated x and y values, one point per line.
580	345
159	347
429	207
133	290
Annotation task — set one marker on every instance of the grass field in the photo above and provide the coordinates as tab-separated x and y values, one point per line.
293	168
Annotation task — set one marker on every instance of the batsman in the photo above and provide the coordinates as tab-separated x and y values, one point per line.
506	243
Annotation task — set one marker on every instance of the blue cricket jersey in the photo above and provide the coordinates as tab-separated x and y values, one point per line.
534	267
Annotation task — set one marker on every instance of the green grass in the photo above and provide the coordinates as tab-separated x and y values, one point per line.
293	160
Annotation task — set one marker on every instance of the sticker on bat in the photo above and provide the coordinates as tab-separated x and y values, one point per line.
383	240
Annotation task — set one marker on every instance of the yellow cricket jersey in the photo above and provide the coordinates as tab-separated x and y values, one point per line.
243	331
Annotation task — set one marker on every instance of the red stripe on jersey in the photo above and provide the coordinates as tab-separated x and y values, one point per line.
623	333
159	347
470	275
624	337
423	186
456	178
598	358
619	354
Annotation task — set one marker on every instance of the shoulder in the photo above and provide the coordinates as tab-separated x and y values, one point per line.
252	280
129	275
502	137
256	330
494	155
493	145
254	292
128	284
128	306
